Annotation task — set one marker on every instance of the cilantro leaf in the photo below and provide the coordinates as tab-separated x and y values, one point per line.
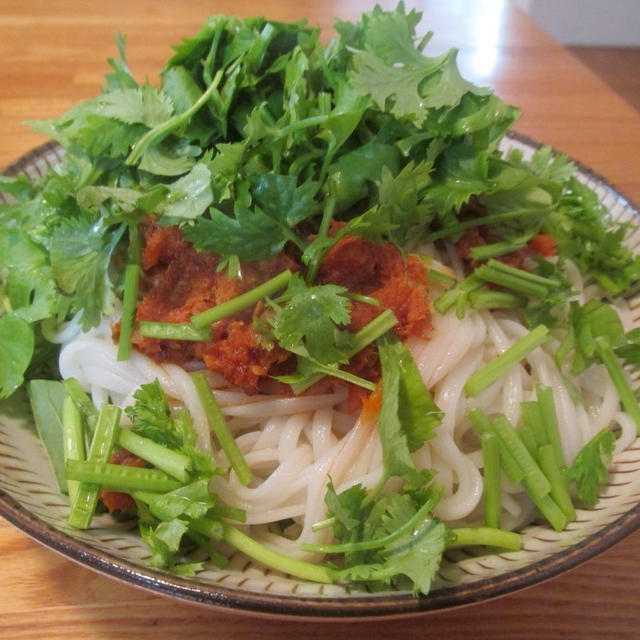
16	350
81	252
151	416
310	318
408	415
250	235
589	469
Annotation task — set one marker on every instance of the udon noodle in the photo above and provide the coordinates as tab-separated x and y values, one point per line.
295	445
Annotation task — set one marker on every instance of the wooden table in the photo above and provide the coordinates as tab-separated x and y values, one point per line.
52	55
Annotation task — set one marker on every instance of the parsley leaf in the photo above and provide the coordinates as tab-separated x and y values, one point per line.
589	469
408	416
310	319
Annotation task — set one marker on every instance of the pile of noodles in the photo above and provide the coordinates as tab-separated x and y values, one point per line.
295	445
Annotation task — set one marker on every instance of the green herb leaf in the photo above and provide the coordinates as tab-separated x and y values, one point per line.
590	468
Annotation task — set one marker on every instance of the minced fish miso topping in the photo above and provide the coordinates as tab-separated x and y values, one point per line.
296	301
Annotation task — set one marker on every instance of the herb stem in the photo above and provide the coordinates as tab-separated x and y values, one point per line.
72	440
242	301
275	560
619	379
219	426
508	359
161	131
486	536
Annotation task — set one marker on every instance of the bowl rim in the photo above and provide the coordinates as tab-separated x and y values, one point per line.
360	606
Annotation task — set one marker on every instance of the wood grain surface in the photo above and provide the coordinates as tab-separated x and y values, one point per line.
52	54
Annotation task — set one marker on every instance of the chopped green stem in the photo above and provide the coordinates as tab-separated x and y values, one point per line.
492	486
327	216
174	331
443	303
498	367
366	299
619	379
533	420
231	513
174	463
323	524
550	422
548	507
208	527
72	440
132	275
515	279
82	402
275	560
120	477
485	299
442	278
325	370
365	545
529	440
372	331
104	438
219	426
486	536
559	484
241	302
158	133
537	481
487	251
509	465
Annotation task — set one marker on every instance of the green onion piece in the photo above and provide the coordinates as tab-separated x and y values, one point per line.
559	484
486	376
550	422
487	536
515	279
509	465
275	560
242	301
619	379
83	402
492	485
72	440
537	481
495	249
120	477
174	331
484	299
174	463
219	426
104	438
